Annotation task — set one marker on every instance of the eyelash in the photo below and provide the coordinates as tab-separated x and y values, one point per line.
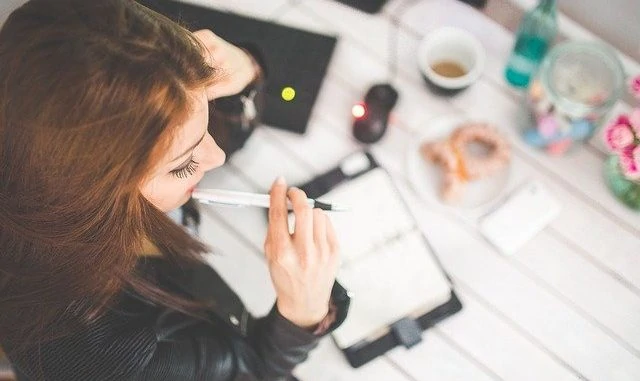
186	171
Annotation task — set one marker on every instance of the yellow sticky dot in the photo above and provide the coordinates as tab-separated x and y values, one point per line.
288	93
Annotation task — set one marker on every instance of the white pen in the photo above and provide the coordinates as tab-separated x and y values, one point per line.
235	198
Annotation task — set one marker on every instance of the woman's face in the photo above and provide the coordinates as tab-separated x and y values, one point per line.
192	152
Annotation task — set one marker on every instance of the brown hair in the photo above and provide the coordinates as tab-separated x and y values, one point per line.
90	95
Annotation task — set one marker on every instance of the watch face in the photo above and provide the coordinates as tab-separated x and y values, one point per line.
233	119
249	111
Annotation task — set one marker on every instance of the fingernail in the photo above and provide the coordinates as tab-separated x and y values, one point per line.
280	180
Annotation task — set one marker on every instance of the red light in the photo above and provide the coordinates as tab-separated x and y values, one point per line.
358	110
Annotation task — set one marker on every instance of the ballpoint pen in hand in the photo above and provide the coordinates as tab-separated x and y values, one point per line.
235	198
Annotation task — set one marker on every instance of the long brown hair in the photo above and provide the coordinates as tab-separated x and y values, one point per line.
90	95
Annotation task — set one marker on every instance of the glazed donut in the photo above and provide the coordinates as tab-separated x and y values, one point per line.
442	154
476	167
459	165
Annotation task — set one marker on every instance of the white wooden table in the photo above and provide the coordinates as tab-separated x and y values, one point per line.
566	307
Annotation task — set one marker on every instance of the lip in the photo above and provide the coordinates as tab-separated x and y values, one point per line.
190	190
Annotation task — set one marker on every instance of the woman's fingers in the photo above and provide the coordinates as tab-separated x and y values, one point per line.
303	265
332	238
209	40
278	228
304	216
235	67
224	86
320	230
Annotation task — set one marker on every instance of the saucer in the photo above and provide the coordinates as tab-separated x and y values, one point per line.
426	177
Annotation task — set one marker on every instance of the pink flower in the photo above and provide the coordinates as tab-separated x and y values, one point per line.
623	119
630	162
634	121
635	86
618	136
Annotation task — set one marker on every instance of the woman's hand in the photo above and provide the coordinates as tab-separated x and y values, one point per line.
236	67
303	265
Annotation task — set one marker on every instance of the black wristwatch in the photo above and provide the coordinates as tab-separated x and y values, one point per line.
232	119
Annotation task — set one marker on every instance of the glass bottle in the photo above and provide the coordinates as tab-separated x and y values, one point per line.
571	95
535	34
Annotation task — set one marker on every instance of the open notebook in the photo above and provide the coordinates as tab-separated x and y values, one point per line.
387	264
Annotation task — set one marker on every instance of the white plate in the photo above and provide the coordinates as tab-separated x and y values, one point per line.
426	177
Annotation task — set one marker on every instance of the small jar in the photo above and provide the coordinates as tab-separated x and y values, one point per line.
625	189
577	85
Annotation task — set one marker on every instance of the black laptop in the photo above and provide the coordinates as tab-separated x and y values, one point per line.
294	58
369	6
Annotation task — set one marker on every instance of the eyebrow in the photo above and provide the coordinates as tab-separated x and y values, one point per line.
190	148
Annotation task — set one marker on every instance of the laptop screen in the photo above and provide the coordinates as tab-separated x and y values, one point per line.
295	59
369	6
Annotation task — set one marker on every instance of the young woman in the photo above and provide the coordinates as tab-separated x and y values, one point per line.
103	129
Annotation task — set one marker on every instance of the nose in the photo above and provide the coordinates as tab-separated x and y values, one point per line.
213	156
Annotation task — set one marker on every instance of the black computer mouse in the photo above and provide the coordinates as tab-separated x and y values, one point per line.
372	117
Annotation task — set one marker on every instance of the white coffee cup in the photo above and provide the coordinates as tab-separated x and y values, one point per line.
449	44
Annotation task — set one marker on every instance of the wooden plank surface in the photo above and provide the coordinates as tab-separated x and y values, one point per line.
564	308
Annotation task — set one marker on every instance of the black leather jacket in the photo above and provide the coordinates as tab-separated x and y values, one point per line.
137	340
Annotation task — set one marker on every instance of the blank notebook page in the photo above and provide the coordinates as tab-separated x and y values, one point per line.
386	263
